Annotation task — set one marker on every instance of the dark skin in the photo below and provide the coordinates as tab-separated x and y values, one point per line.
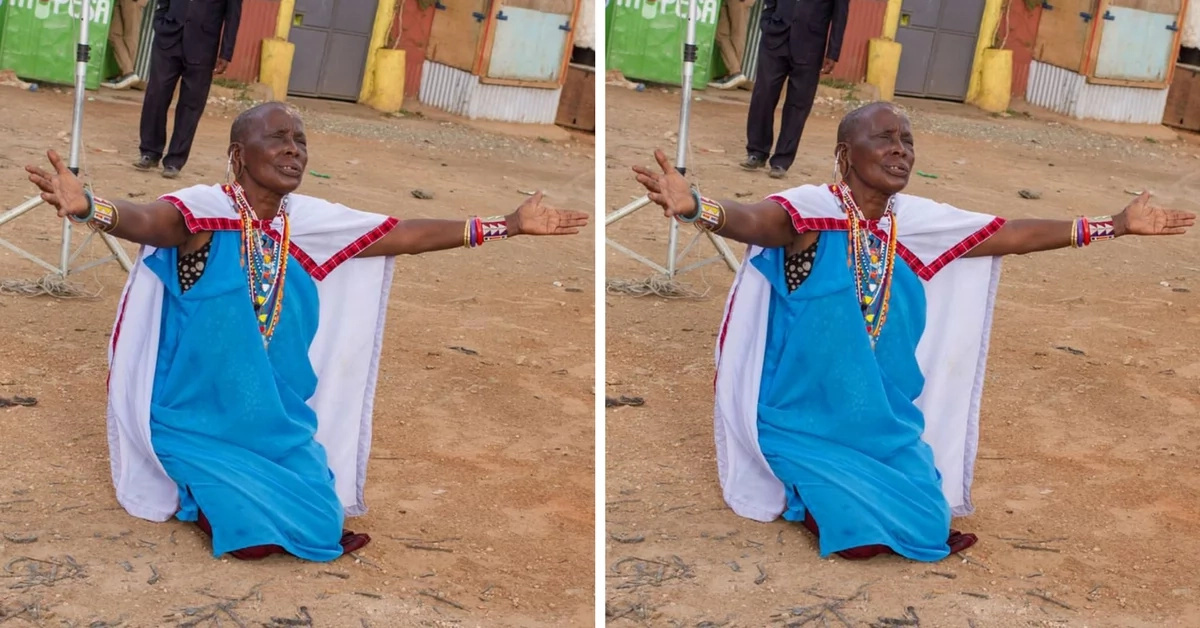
877	159
269	162
877	154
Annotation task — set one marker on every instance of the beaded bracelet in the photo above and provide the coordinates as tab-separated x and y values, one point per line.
1084	231
479	230
711	215
105	218
101	216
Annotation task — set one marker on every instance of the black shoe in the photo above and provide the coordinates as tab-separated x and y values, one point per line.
145	162
777	172
753	163
170	172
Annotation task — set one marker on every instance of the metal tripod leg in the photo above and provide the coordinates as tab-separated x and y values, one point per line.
724	253
65	256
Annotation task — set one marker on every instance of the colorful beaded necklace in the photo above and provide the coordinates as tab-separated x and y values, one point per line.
266	261
873	260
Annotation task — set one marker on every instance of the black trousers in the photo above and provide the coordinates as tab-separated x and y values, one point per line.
168	68
774	68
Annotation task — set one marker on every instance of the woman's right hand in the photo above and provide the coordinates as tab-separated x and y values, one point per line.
62	189
667	189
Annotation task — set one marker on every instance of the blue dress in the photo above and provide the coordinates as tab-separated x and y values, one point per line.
229	418
837	421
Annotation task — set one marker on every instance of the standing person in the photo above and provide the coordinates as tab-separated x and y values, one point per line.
731	40
801	40
245	355
124	35
851	360
193	41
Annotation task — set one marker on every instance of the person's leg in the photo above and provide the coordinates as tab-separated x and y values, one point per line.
193	96
166	66
350	542
803	80
760	121
739	22
123	36
726	45
116	39
957	541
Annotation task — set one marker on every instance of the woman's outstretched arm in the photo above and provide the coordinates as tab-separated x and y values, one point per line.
158	223
764	224
1019	237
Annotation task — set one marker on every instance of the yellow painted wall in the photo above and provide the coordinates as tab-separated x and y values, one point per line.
891	19
383	22
992	10
283	21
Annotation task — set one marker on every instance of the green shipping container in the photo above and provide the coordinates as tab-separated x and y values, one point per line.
38	37
645	39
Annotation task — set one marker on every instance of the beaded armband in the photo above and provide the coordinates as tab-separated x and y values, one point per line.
712	215
1101	228
105	216
101	216
479	230
494	228
1084	231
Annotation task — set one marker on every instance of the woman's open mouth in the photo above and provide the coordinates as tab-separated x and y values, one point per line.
291	170
896	170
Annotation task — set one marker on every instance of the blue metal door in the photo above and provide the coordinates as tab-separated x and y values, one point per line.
530	40
1136	45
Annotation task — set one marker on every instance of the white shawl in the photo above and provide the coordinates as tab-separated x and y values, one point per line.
353	294
952	352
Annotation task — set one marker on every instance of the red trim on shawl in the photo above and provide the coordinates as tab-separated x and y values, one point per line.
721	338
924	271
116	336
317	271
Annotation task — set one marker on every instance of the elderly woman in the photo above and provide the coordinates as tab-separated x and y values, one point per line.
245	352
851	357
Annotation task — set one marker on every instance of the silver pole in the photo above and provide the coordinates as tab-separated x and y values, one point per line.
83	54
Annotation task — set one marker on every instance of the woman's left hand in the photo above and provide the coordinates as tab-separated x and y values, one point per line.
535	218
1142	218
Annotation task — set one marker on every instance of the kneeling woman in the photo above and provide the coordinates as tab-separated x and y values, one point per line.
246	349
851	358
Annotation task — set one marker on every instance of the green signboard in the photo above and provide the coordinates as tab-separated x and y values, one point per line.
38	37
645	39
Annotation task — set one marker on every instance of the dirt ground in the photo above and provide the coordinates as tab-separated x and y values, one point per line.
1088	484
481	476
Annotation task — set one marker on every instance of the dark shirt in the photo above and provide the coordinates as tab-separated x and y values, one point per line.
208	28
812	30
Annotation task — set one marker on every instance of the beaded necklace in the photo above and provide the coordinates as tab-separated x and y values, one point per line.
873	260
265	260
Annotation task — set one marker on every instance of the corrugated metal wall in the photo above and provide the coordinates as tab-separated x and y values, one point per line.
415	25
865	21
461	93
258	23
1021	24
1070	94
